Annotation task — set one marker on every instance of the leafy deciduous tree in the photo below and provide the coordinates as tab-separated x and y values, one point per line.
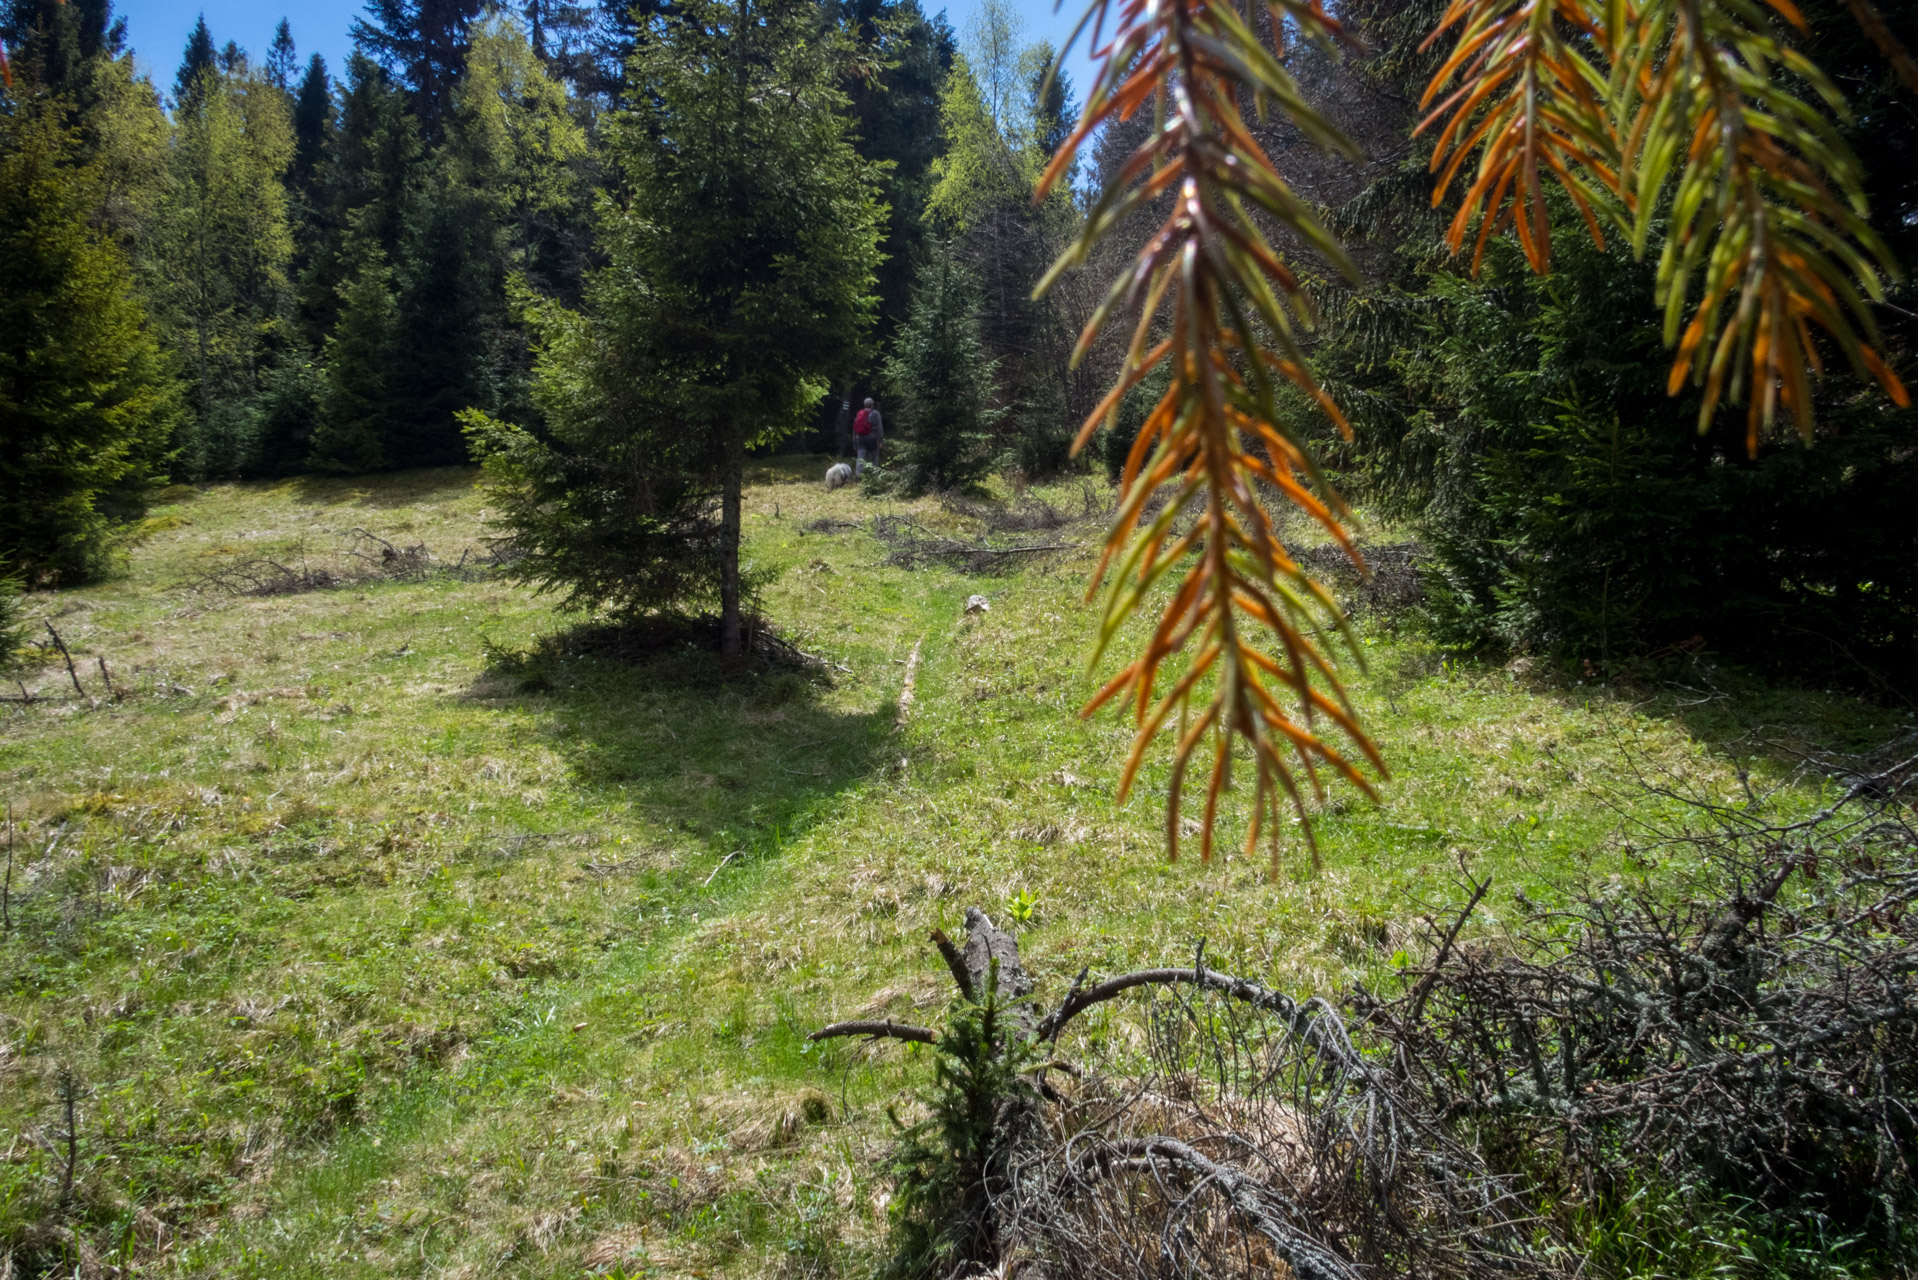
228	244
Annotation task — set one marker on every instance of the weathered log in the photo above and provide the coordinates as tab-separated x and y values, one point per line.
985	943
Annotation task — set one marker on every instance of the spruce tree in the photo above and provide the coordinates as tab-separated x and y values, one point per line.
942	382
54	44
740	276
286	414
280	58
424	43
751	238
612	504
367	184
196	59
86	399
448	312
898	120
357	408
312	125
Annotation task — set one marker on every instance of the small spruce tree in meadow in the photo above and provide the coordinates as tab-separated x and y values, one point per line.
357	409
942	382
740	277
87	400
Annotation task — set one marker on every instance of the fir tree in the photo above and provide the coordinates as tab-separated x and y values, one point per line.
424	43
356	412
195	60
86	401
312	123
280	58
942	381
740	275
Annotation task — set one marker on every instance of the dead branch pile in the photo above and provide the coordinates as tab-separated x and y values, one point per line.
1253	1131
1393	584
1248	1130
910	545
1029	513
1750	1025
264	576
1741	1026
361	558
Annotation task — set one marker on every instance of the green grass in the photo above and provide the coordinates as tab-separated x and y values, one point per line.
332	1013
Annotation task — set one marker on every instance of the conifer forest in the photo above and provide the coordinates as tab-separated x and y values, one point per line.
813	638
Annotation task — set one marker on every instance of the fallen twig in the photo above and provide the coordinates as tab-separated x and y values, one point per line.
905	692
62	646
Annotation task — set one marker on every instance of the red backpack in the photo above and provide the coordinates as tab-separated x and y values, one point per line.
862	423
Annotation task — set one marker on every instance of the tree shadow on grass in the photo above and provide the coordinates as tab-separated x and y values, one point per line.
388	489
730	753
1744	717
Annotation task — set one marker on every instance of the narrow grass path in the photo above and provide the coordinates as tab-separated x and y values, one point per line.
381	938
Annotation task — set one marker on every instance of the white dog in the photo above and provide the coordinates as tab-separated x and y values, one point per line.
837	474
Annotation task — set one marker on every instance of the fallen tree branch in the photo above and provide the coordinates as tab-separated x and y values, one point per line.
1424	988
877	1030
1238	988
956	963
905	691
62	646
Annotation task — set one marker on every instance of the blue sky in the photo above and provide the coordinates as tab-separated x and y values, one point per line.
158	28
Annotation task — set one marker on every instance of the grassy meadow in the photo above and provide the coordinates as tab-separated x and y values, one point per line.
373	930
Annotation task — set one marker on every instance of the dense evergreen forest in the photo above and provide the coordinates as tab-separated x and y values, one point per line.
270	267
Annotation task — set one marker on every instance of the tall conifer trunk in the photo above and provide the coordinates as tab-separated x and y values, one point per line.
731	638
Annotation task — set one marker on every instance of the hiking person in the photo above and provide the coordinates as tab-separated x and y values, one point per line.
868	433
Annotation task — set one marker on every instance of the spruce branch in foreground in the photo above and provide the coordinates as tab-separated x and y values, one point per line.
1684	111
1216	304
